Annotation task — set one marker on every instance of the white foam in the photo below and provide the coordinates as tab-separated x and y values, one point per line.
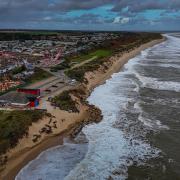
167	65
54	163
145	52
154	83
109	150
153	124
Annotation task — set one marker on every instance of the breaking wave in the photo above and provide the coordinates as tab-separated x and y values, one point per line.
120	139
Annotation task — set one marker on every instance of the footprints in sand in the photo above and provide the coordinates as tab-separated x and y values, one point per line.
47	129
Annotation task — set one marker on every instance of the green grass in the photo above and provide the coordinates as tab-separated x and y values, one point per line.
78	73
123	45
14	125
101	53
69	62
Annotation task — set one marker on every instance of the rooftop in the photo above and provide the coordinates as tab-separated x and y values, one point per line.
16	97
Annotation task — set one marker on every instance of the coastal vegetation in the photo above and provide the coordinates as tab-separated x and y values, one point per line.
125	42
122	45
100	53
80	58
64	65
79	72
14	125
65	102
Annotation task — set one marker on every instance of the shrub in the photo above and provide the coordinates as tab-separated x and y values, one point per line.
65	102
14	125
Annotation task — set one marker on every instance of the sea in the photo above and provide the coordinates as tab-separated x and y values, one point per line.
139	136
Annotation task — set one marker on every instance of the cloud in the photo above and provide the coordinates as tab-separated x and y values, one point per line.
139	5
105	13
89	19
47	18
69	5
119	20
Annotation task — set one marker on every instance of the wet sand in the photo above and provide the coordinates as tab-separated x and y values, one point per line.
31	153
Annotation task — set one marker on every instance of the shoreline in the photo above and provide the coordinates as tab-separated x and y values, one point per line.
21	158
119	63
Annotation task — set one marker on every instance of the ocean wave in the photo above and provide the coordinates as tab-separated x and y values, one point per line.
153	124
54	163
112	149
154	83
119	140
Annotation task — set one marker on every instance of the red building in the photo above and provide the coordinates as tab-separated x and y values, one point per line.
19	100
33	95
30	91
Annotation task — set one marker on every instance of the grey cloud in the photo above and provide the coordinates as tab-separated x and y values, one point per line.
139	5
69	5
44	11
83	19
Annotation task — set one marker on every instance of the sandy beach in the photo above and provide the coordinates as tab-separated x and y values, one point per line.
66	122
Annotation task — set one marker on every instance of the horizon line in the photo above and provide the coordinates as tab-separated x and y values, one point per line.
83	30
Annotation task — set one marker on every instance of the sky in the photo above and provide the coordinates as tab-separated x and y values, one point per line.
129	15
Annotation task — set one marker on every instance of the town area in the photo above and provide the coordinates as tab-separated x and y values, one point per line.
33	65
